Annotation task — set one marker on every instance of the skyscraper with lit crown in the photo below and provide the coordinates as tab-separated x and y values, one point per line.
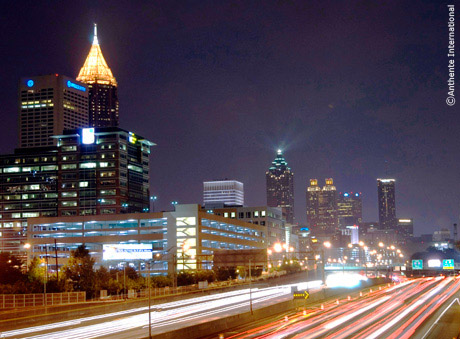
102	87
280	186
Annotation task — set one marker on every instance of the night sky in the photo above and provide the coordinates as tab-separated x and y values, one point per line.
352	90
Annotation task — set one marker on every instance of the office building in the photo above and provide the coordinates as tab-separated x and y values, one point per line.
271	218
280	187
387	203
406	227
48	105
89	171
322	215
102	170
349	209
184	238
222	193
28	188
102	87
442	235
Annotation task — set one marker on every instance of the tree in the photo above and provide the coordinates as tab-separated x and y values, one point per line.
79	271
10	269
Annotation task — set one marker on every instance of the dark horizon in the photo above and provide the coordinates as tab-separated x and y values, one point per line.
350	90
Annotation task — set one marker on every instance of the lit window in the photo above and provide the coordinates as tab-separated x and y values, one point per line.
88	165
83	184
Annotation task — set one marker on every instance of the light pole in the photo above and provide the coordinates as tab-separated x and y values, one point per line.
150	316
250	287
124	282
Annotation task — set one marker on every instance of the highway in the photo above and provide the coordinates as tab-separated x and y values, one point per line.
133	323
398	311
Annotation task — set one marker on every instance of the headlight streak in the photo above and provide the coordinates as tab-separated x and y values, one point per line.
412	324
316	326
404	313
427	283
185	313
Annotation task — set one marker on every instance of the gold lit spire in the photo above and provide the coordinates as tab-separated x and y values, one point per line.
95	69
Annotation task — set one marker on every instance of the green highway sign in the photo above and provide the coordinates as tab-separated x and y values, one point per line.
448	264
417	264
301	295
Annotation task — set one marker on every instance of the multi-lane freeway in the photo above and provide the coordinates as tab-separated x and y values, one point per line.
392	311
134	323
398	311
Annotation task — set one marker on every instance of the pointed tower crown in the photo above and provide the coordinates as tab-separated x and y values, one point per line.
280	163
95	69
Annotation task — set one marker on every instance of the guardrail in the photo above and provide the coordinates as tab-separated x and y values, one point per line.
39	299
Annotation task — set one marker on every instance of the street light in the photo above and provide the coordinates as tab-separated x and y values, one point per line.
278	247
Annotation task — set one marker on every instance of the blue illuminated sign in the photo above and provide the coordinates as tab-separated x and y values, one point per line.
356	194
345	194
305	229
30	83
70	84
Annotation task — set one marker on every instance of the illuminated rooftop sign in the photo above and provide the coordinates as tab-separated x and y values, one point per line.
87	136
30	83
70	84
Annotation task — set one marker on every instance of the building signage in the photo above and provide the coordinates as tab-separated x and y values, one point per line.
127	252
30	83
70	84
417	264
87	136
301	295
448	264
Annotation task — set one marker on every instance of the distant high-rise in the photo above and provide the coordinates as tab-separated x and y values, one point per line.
322	207
102	85
387	203
48	105
349	209
223	193
280	186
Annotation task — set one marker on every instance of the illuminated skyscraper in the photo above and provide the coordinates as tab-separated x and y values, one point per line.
387	203
49	104
349	209
102	86
322	207
280	187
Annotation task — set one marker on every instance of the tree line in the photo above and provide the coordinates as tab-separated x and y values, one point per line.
79	274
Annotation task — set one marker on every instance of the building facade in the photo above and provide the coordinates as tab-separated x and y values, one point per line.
102	170
280	187
387	203
48	105
221	193
105	174
102	88
349	209
184	239
406	227
28	188
322	214
271	218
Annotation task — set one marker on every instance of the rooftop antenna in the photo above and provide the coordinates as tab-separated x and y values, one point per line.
95	41
455	232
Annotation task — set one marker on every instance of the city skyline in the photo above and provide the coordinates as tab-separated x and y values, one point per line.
353	132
